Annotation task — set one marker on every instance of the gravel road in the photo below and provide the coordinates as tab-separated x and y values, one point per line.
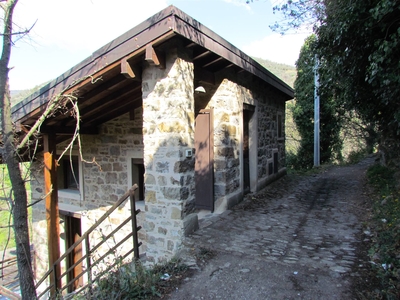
299	238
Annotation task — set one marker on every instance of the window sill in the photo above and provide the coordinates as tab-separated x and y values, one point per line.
69	194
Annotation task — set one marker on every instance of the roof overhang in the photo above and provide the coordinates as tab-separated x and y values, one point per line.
108	82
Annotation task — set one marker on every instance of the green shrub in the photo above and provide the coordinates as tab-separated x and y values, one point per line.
134	281
385	251
355	156
7	233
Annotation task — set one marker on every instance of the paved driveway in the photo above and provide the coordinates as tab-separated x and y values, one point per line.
296	239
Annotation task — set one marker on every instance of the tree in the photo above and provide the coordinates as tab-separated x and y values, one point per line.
360	40
298	14
303	111
10	157
13	146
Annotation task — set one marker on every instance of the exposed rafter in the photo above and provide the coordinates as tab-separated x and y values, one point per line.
219	59
155	57
129	71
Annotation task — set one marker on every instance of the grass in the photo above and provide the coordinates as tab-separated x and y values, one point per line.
385	250
6	232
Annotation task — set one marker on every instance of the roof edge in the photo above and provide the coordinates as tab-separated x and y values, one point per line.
251	65
133	40
95	57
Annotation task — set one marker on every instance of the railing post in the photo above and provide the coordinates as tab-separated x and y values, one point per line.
55	287
55	269
135	229
88	263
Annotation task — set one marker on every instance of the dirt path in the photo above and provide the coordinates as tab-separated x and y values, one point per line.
300	238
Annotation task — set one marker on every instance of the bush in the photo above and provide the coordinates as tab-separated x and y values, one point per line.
385	252
134	281
355	157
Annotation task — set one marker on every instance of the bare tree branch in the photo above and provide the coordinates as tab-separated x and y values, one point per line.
51	107
76	137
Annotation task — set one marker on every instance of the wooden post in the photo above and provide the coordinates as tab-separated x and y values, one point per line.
135	229
52	214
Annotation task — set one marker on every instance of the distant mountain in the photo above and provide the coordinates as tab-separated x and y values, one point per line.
288	74
285	72
19	95
15	92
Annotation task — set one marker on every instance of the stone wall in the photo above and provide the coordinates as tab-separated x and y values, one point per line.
227	110
227	103
269	109
168	129
166	120
117	143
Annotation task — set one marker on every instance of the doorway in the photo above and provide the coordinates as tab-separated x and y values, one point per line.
137	169
248	111
73	232
204	160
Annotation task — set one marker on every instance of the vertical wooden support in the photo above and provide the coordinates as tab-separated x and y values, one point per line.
88	264
135	228
52	214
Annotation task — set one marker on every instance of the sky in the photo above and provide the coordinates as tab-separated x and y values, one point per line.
67	32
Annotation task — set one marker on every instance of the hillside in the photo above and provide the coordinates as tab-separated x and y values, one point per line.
19	95
288	74
285	72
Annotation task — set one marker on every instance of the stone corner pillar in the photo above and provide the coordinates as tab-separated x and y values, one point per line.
168	131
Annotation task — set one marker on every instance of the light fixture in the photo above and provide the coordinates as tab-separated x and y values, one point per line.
200	89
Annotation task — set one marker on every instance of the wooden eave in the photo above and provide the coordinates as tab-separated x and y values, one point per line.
200	35
108	84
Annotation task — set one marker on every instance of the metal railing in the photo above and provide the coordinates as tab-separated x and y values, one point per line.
62	284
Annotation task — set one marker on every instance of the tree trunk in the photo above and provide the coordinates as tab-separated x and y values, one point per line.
9	154
20	213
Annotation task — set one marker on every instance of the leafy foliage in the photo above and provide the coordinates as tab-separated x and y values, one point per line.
298	13
360	41
385	250
285	72
135	281
303	111
359	44
7	239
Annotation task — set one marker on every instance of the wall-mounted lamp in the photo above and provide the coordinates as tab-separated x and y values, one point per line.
200	89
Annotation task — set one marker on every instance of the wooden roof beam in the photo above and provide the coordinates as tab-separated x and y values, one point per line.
155	57
191	44
213	62
68	130
130	71
115	111
203	54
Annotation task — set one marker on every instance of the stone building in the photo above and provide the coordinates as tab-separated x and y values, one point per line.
171	106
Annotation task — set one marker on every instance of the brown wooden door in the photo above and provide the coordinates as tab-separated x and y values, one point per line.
73	232
204	154
246	150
